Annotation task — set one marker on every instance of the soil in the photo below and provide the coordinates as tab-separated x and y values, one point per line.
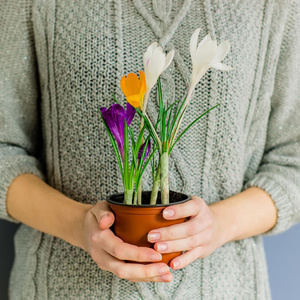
174	197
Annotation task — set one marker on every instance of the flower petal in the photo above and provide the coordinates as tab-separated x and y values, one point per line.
143	83
169	59
123	86
205	54
119	115
155	67
221	67
204	41
142	149
134	100
133	84
197	74
148	53
103	110
130	112
222	51
193	41
116	118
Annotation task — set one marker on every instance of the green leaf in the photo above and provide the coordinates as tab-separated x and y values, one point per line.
145	165
133	146
177	113
139	140
115	99
163	132
168	125
153	168
171	105
149	128
142	157
126	156
191	124
161	113
132	170
131	136
176	128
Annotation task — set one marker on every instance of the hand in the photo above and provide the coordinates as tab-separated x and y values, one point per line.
199	236
109	251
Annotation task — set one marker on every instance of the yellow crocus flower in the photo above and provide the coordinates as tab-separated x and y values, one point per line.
134	89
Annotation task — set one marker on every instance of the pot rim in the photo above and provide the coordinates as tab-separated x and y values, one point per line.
188	197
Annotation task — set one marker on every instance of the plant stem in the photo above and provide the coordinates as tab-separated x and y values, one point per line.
164	179
155	188
146	101
139	194
135	198
139	191
155	133
128	196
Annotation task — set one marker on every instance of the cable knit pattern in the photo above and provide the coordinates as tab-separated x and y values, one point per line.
60	60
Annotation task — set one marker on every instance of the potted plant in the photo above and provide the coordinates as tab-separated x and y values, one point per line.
137	212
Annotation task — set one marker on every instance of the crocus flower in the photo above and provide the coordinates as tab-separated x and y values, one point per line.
115	117
142	149
134	88
204	56
155	62
208	54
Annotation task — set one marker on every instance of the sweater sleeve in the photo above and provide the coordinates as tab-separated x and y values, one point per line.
279	172
18	97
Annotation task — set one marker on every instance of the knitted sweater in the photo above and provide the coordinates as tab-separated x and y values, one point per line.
60	60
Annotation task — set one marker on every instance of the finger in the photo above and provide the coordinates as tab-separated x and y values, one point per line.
182	244
161	278
133	272
103	215
123	251
140	272
186	258
137	272
106	221
184	210
179	231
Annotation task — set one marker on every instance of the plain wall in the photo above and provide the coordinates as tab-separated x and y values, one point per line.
283	257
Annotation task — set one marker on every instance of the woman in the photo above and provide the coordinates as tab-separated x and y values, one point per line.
63	59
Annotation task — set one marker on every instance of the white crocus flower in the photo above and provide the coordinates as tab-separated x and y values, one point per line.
155	62
204	56
207	55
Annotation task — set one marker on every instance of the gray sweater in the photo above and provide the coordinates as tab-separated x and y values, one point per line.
60	60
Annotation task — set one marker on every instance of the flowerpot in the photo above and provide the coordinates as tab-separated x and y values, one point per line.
133	222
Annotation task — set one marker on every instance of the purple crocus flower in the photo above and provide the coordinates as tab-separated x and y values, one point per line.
142	149
115	117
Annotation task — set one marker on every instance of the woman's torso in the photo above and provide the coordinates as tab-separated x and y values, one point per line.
83	49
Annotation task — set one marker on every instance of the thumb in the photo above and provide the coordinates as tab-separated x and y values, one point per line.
104	216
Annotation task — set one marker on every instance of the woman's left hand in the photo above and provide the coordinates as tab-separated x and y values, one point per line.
199	236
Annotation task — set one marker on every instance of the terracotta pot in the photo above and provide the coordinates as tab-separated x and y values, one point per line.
133	222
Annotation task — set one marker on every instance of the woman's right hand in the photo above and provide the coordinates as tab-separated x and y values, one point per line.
109	251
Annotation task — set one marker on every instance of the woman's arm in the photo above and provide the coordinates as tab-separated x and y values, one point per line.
244	215
33	202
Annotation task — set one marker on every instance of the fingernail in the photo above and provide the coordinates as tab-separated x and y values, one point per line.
163	270
156	257
168	213
175	264
154	236
161	247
